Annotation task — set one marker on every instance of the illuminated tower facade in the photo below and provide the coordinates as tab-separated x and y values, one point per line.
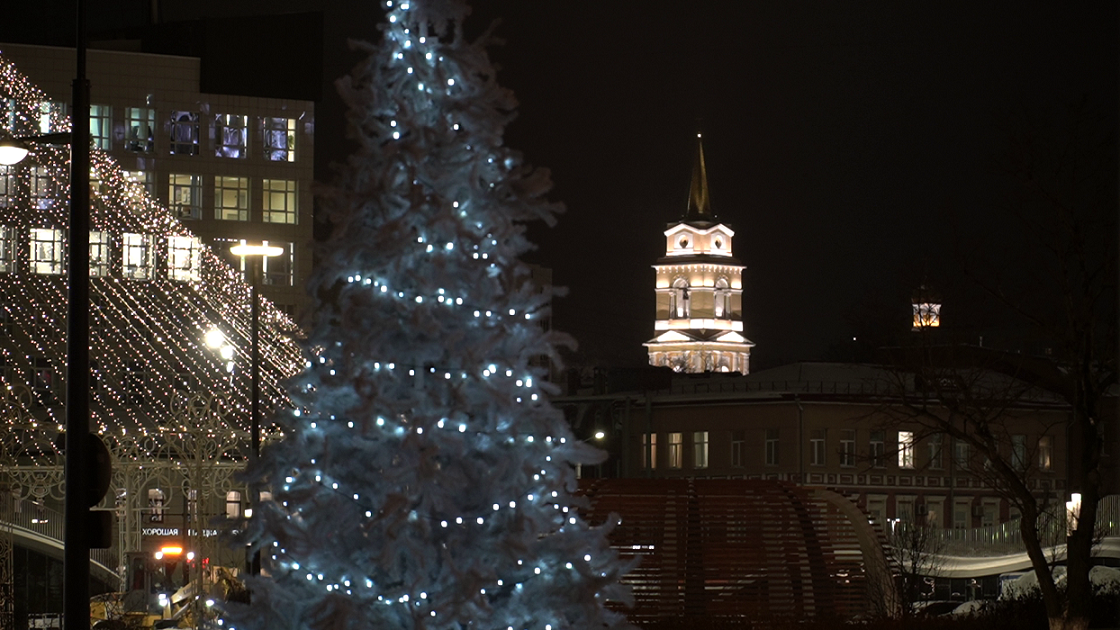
699	320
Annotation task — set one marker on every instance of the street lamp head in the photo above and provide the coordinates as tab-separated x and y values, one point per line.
12	151
214	338
256	250
600	435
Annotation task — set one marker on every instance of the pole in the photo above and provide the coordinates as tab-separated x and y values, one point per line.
75	583
255	359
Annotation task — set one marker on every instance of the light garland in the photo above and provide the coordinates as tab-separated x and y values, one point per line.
146	335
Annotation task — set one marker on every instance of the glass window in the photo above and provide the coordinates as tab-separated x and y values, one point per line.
155	505
7	186
279	271
280	201
231	136
700	449
738	442
184	196
1019	452
46	250
233	504
280	139
935	452
771	447
961	515
135	383
1045	453
140	125
138	254
184	133
143	179
905	449
7	249
231	198
877	449
98	254
723	298
816	447
101	126
961	455
848	448
51	116
43	188
184	258
676	444
649	450
678	307
43	381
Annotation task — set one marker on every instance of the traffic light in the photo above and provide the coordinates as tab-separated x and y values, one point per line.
100	522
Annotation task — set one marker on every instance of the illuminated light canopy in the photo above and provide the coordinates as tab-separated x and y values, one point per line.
256	250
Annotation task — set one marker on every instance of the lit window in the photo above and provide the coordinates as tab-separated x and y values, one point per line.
649	450
140	123
184	258
231	136
139	250
101	126
738	442
847	448
184	196
816	447
98	254
678	300
676	446
279	271
233	504
905	449
184	133
1045	453
43	189
700	449
7	249
723	298
280	139
51	116
231	198
280	201
155	505
46	250
772	444
43	381
7	186
135	383
143	179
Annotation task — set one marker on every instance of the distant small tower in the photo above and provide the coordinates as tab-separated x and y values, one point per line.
699	320
927	308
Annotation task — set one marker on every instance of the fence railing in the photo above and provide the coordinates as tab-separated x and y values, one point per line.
1006	538
44	521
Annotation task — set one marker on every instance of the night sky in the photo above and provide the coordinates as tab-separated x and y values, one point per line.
850	145
856	148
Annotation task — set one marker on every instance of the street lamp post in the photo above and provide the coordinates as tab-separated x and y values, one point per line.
256	254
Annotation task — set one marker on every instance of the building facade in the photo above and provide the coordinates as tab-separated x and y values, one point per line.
699	285
231	168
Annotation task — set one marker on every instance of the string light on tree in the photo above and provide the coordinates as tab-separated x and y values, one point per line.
423	480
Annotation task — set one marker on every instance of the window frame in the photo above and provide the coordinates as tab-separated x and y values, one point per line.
271	191
649	449
906	442
222	189
847	448
136	119
183	133
53	263
138	255
101	126
191	209
676	450
225	129
699	449
271	127
772	449
738	448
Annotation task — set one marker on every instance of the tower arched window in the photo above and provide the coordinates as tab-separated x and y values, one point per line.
723	298
678	307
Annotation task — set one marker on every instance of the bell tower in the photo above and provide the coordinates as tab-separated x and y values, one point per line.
699	319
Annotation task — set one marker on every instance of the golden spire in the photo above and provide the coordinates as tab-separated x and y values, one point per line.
699	204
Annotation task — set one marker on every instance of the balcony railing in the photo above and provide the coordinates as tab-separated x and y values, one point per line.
47	523
1006	538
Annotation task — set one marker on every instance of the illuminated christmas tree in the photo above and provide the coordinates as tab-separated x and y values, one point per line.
425	481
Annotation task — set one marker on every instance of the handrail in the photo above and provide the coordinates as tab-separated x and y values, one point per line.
46	523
